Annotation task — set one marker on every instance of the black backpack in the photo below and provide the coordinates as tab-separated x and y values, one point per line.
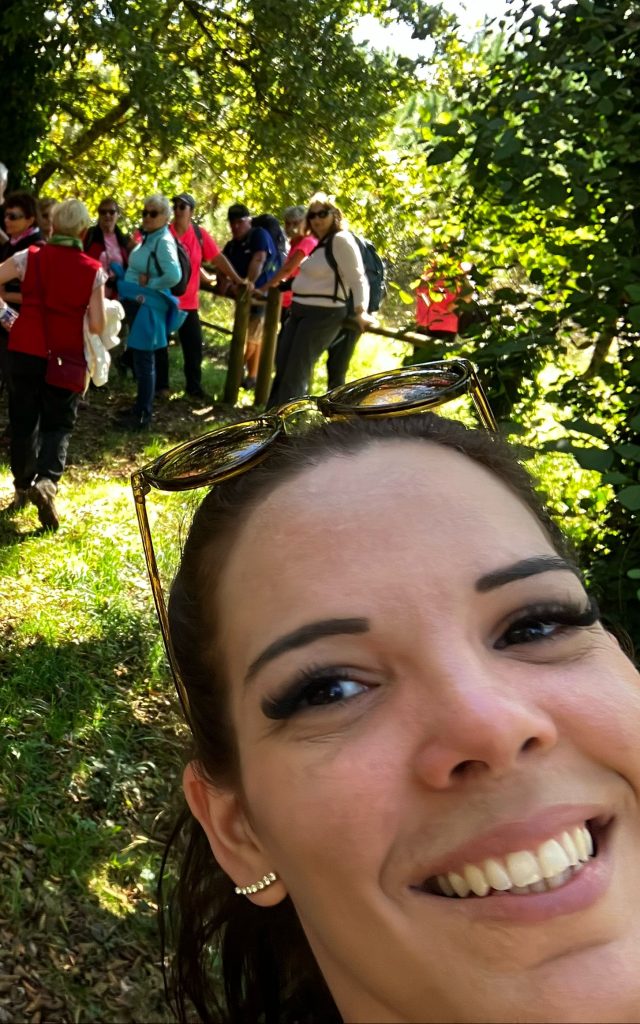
185	264
374	268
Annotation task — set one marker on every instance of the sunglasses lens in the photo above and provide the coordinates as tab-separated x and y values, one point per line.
220	452
392	391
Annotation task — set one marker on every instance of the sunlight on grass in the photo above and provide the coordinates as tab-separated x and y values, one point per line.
110	897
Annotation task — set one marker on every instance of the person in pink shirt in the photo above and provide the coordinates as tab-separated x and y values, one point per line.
301	244
202	249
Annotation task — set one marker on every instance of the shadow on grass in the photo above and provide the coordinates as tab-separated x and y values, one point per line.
90	762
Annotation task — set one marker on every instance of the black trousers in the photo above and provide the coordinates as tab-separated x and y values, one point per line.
339	357
41	418
190	335
308	332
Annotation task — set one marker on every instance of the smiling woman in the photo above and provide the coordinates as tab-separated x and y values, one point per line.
414	793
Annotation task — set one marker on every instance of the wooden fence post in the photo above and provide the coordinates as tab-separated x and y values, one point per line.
268	350
236	347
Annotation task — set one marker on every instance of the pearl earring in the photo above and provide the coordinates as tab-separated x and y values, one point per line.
264	883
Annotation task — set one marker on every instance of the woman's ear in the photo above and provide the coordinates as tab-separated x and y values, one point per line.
231	837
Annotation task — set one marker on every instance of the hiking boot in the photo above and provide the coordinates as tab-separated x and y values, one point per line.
249	383
19	501
42	494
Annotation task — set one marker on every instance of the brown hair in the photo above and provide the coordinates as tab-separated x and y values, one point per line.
24	201
267	970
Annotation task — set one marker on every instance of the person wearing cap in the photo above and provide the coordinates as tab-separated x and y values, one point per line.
247	251
201	248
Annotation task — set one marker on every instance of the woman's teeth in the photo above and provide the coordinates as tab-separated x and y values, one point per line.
524	871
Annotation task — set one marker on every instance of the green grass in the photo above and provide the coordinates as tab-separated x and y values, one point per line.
91	744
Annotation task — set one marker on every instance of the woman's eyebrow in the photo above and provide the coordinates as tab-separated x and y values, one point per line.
305	635
521	570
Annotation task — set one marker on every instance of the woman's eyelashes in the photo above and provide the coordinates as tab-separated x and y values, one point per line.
314	688
331	686
545	622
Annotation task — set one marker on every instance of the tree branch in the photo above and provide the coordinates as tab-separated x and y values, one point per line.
84	140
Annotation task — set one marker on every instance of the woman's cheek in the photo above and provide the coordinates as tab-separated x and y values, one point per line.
338	798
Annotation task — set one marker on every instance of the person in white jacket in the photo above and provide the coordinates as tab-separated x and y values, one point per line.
320	300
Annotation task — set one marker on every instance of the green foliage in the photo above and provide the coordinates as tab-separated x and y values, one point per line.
530	145
256	99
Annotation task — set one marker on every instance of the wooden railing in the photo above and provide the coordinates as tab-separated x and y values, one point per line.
238	334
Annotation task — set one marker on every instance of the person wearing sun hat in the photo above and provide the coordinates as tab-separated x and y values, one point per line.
201	248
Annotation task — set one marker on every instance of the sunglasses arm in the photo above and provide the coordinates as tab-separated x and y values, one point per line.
481	402
141	488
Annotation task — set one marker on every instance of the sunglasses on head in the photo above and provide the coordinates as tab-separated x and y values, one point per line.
151	213
322	214
107	213
229	451
15	216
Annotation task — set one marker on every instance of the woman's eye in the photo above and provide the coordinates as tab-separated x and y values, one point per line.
312	692
547	623
527	632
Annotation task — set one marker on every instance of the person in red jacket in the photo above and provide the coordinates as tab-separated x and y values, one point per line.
47	368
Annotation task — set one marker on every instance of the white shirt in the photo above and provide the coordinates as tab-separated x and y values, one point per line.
316	282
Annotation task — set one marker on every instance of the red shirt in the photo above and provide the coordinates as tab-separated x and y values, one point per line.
306	244
436	305
66	281
197	253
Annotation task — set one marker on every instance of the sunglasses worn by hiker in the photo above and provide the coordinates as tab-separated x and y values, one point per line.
229	451
322	214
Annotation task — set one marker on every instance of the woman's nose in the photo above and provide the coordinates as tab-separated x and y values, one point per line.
483	729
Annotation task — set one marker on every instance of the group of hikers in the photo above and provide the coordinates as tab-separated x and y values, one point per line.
64	279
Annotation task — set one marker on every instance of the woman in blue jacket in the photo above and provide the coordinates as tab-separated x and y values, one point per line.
152	311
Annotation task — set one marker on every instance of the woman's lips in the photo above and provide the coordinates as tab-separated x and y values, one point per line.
509	837
583	888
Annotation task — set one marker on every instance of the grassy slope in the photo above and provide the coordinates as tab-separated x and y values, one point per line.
90	743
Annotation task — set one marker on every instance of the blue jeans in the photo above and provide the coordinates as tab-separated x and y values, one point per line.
144	368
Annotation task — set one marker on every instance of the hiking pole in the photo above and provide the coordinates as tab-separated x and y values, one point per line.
400	335
216	327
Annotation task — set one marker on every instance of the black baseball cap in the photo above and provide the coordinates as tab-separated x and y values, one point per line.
185	197
238	211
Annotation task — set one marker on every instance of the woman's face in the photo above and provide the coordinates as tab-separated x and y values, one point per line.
292	227
320	219
153	216
107	216
15	221
418	690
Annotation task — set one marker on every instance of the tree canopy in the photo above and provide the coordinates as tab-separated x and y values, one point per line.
264	98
